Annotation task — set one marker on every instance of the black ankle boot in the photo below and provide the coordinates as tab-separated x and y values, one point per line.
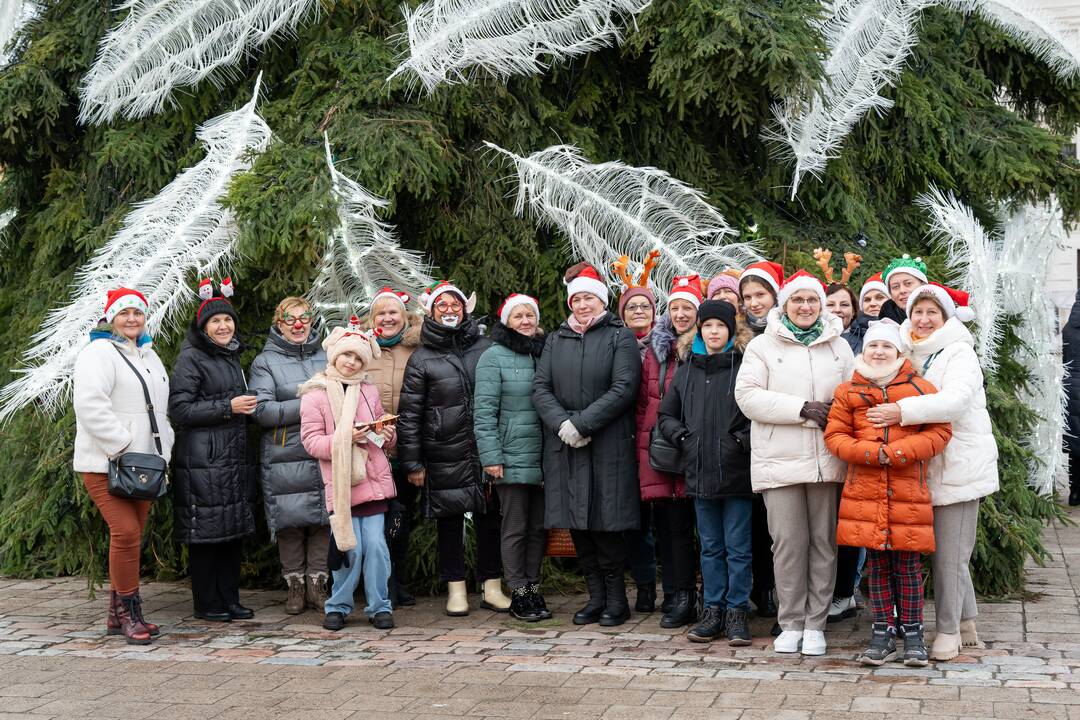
597	600
541	608
521	605
646	599
682	610
617	610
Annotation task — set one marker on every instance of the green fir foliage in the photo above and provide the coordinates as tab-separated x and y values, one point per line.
689	92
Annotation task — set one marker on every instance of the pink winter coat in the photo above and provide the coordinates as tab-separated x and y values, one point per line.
317	434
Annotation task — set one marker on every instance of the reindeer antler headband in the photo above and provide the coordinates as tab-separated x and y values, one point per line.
824	260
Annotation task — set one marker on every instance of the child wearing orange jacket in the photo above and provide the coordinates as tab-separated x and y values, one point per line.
885	506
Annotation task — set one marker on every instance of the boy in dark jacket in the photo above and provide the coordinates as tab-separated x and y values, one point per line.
700	416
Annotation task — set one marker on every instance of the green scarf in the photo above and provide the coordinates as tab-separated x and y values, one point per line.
390	342
808	335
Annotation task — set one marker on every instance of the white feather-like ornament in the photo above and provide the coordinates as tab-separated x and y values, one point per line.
14	14
1029	239
165	45
610	209
180	231
451	40
974	256
363	254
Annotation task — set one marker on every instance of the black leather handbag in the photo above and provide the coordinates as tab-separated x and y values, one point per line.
663	456
140	476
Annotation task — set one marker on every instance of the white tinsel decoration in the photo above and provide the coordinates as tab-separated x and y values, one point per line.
974	256
181	231
610	209
449	40
362	255
1029	239
165	45
14	14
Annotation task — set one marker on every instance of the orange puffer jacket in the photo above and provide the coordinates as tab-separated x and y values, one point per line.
884	507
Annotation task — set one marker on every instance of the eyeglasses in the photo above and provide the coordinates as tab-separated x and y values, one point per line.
448	307
637	308
303	319
809	302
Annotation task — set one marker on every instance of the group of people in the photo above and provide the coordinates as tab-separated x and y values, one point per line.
754	425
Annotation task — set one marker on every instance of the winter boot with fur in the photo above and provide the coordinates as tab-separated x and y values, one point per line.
294	601
457	599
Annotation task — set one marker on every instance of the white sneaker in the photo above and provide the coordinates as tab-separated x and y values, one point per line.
788	641
841	609
813	642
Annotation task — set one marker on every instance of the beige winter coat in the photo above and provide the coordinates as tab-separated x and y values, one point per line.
110	410
778	375
967	470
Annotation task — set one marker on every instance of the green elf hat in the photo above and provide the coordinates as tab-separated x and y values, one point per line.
905	264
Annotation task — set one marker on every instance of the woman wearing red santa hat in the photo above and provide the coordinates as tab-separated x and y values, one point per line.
942	350
584	391
785	384
110	419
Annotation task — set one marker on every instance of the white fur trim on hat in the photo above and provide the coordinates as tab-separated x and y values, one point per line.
887	330
586	285
687	288
517	300
402	297
125	302
427	298
872	285
803	282
963	313
761	275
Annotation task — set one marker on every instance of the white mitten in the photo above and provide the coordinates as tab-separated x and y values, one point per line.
570	435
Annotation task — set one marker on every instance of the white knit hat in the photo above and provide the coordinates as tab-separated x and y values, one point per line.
886	330
352	339
516	300
800	280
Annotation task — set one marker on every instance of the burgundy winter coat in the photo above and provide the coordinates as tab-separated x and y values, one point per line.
656	485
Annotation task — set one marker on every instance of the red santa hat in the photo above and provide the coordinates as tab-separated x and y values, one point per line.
389	292
874	282
954	302
772	273
120	299
516	300
587	281
427	298
800	280
686	287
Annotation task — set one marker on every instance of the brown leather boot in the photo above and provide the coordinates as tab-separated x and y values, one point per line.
128	612
153	629
294	603
112	622
317	594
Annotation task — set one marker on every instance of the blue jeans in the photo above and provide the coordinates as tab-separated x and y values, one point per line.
371	556
724	531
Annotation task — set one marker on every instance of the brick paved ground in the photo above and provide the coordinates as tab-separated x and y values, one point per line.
55	661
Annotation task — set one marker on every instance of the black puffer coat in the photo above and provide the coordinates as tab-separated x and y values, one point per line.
1070	355
892	311
213	464
856	330
292	484
700	415
592	381
435	431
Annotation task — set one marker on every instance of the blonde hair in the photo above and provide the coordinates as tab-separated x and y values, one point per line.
290	302
377	305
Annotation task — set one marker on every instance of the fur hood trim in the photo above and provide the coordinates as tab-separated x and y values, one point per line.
664	342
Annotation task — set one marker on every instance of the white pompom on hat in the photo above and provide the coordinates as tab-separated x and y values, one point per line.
886	330
954	302
587	281
800	280
516	300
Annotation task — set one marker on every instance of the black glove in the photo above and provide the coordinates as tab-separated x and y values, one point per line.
395	519
816	412
335	559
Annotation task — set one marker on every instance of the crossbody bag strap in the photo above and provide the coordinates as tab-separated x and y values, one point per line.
146	396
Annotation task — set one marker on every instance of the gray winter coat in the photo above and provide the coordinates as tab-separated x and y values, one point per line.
291	483
592	381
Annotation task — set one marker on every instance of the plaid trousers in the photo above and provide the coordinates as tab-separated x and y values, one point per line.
895	581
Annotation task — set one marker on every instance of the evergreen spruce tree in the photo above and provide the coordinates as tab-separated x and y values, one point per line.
688	92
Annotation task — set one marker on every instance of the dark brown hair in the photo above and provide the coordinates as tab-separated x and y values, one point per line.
837	287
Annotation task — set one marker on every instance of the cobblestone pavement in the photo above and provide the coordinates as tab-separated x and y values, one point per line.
55	661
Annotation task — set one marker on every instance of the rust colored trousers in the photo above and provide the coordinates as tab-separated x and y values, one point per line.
127	520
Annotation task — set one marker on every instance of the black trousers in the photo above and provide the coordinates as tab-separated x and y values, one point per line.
451	531
523	534
214	569
761	548
407	493
847	564
675	525
599	552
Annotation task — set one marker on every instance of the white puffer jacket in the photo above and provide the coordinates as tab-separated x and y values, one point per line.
110	410
967	470
778	375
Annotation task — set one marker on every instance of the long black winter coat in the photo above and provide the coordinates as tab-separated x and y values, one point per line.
1070	355
892	311
213	465
292	484
700	415
592	381
435	431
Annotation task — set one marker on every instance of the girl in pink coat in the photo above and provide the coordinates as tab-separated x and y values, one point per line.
341	425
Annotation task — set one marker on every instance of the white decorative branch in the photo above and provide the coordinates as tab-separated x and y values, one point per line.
14	14
450	40
163	46
362	255
181	231
610	209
